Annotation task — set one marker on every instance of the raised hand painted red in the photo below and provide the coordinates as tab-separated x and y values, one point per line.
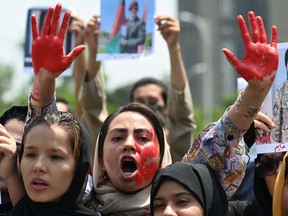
261	59
47	50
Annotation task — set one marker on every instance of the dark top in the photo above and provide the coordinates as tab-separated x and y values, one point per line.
245	208
200	180
135	35
5	208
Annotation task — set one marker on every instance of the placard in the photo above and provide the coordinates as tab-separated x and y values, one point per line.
126	29
275	106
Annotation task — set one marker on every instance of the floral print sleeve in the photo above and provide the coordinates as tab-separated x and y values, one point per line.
221	146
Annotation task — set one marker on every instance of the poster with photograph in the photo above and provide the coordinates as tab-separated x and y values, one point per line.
40	13
275	106
126	29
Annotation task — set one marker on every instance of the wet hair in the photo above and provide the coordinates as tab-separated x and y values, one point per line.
15	112
64	120
148	81
142	110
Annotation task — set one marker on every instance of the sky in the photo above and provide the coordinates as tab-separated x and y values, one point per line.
13	24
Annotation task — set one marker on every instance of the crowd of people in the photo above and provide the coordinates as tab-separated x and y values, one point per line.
141	158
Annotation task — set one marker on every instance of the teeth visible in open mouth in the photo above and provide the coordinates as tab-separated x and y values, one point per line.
39	183
128	173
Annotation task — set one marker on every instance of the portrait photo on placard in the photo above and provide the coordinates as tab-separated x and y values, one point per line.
279	134
275	106
126	29
40	13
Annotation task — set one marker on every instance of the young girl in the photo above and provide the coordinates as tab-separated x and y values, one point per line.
54	163
187	189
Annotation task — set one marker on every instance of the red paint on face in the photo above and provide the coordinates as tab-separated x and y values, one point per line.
148	160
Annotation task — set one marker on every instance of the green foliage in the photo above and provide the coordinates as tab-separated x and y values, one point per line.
66	90
104	34
118	97
229	100
217	112
6	76
148	40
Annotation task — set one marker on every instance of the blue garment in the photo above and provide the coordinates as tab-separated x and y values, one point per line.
246	189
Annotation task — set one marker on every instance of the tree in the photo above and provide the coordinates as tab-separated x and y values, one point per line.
6	72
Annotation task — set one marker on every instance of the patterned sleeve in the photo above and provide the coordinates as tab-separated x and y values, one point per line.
221	146
35	112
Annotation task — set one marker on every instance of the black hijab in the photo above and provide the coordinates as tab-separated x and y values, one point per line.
262	194
70	202
200	180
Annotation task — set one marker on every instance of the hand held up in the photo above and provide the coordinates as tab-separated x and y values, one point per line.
258	68
47	49
260	61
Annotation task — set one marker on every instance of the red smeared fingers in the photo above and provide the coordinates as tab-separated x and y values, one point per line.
234	61
274	38
263	35
76	51
47	24
55	20
35	30
244	31
254	26
64	25
67	60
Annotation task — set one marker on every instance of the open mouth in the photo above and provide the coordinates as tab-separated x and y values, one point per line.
128	166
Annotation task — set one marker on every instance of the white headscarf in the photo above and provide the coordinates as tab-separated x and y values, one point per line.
115	202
